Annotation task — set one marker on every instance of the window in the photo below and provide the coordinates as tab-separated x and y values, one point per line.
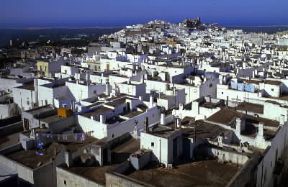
272	89
210	85
152	144
222	93
64	182
112	135
42	125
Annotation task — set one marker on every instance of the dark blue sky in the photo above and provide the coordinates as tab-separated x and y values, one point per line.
90	13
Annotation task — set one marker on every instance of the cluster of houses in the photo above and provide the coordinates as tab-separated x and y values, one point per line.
155	104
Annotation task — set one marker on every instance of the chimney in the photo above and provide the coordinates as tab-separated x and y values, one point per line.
151	101
87	78
143	79
33	134
225	79
102	77
107	88
102	119
260	93
238	127
174	91
92	117
260	130
181	106
178	123
146	126
140	98
244	65
162	119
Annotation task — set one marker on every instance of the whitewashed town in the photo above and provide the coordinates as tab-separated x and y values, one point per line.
155	104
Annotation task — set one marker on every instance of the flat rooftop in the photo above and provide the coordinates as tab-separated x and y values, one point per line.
120	153
96	174
118	96
210	105
9	140
97	111
187	121
201	173
204	130
130	146
73	147
250	107
30	159
51	119
54	84
40	110
227	115
271	82
163	131
113	120
28	86
132	114
116	102
91	99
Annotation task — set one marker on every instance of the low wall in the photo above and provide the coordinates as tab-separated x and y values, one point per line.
245	177
66	178
227	156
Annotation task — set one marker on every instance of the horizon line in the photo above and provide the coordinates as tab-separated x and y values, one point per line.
116	26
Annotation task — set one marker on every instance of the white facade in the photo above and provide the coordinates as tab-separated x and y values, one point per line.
24	98
82	91
162	147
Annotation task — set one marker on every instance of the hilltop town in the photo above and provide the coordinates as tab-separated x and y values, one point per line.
154	104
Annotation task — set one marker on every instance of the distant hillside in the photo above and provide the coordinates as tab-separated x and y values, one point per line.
51	34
